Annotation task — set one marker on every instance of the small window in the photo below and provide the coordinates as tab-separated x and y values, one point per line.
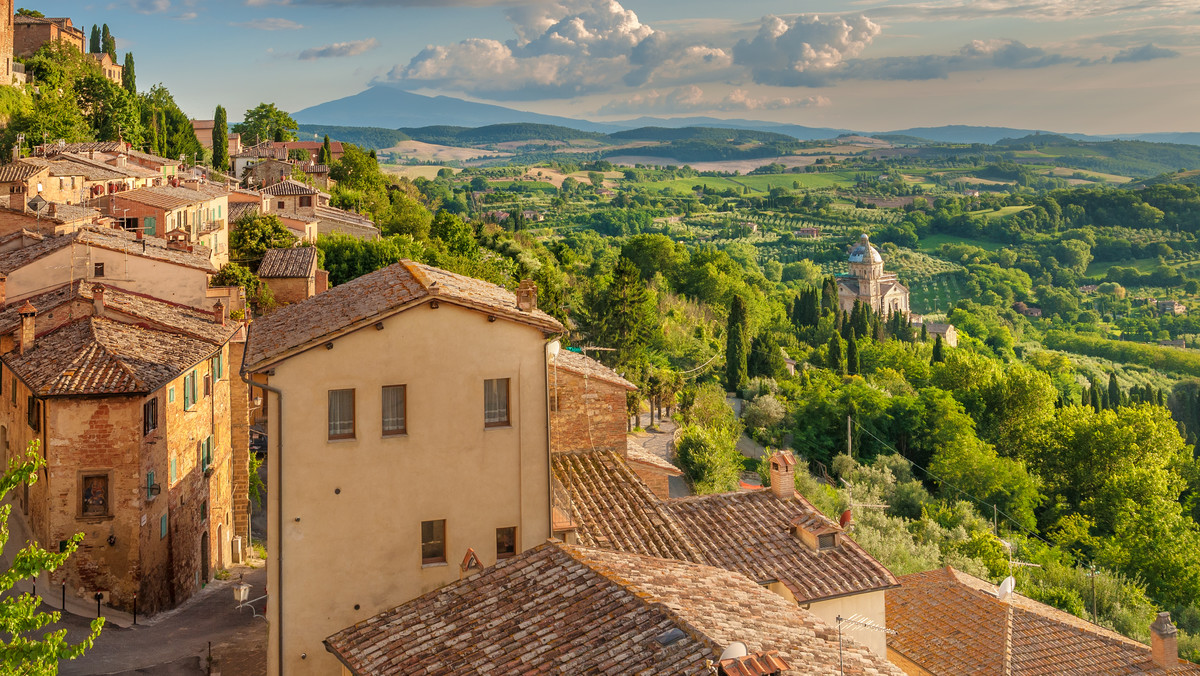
827	541
207	385
506	542
433	541
94	495
150	494
341	414
204	510
98	269
280	204
204	453
393	410
219	365
150	416
495	402
14	390
162	527
34	413
306	201
170	395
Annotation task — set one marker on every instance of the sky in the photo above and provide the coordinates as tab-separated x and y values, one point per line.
1086	66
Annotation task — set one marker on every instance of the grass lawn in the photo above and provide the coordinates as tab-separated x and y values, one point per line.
684	185
1004	211
935	242
1101	268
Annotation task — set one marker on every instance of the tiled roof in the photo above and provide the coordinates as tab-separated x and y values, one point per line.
334	214
18	171
102	162
315	168
586	366
63	167
636	453
573	610
300	261
290	187
370	298
148	157
750	532
948	622
97	356
164	196
615	510
70	213
239	210
51	149
108	238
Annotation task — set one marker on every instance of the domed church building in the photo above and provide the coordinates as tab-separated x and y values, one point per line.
868	283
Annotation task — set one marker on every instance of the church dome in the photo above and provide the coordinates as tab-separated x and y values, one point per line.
863	252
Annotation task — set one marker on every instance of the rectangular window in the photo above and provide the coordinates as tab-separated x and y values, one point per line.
207	385
170	395
433	541
280	204
14	390
189	390
219	365
204	510
150	485
34	414
341	414
306	201
98	269
150	416
204	453
173	472
495	402
162	527
506	542
94	495
394	420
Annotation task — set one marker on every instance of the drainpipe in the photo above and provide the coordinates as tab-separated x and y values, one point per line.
279	512
546	350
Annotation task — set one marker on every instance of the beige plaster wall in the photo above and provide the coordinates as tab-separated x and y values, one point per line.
160	279
869	605
352	510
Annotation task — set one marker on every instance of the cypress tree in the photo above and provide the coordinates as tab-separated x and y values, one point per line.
94	42
220	140
836	363
939	351
1114	392
128	76
1084	397
1095	397
326	156
828	296
736	345
924	332
852	356
108	43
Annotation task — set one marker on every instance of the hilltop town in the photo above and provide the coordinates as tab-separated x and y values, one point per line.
498	401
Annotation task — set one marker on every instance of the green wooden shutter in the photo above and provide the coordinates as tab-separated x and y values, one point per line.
149	225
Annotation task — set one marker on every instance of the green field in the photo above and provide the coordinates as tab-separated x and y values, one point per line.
765	182
684	185
1101	268
935	242
1002	212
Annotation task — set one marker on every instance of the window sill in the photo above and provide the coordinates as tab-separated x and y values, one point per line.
439	564
395	435
95	518
497	426
340	440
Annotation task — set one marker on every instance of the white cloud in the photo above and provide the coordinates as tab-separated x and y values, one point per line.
691	99
1040	10
339	49
150	6
790	51
270	24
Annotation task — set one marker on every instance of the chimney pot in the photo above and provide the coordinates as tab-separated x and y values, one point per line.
1164	642
783	475
27	312
219	313
527	296
98	300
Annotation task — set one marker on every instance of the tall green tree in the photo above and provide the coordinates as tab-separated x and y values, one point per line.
835	361
326	156
22	653
852	356
266	122
1114	391
626	317
94	42
736	345
108	43
129	75
939	351
220	140
252	236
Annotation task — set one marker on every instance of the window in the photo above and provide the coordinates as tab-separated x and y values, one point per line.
170	395
393	410
341	414
280	204
207	385
150	494
826	541
189	390
306	201
94	495
98	269
495	402
506	542
433	541
204	453
14	390
219	365
150	416
162	527
204	510
34	413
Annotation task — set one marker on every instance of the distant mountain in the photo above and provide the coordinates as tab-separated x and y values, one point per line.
499	133
669	134
382	106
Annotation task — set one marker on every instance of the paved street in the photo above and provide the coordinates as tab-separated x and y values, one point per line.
660	442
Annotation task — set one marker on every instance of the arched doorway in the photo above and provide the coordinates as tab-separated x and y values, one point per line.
204	576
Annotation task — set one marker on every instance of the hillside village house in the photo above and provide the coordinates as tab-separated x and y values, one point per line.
292	275
149	265
129	399
200	211
113	71
454	434
204	134
31	32
293	199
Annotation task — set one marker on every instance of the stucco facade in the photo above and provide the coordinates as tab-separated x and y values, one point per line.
351	510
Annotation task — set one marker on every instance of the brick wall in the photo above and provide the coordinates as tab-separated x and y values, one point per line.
590	413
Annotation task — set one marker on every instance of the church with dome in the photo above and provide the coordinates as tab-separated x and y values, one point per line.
869	284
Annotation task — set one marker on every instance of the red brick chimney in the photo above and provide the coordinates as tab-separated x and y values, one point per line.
98	300
219	313
27	312
527	296
3	292
783	475
1164	642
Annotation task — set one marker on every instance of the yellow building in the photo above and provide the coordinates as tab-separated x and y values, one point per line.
868	284
408	432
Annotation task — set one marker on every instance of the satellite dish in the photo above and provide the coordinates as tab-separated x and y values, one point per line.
847	517
1006	588
735	650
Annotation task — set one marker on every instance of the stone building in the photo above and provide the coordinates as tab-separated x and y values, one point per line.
292	199
31	32
7	69
434	444
293	274
113	71
868	284
128	399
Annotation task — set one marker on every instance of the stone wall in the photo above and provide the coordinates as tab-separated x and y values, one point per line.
291	289
240	405
590	413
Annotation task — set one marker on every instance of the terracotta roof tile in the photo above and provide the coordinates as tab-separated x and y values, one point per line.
613	509
300	261
949	622
573	610
289	187
107	238
18	171
165	196
590	368
750	532
372	297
